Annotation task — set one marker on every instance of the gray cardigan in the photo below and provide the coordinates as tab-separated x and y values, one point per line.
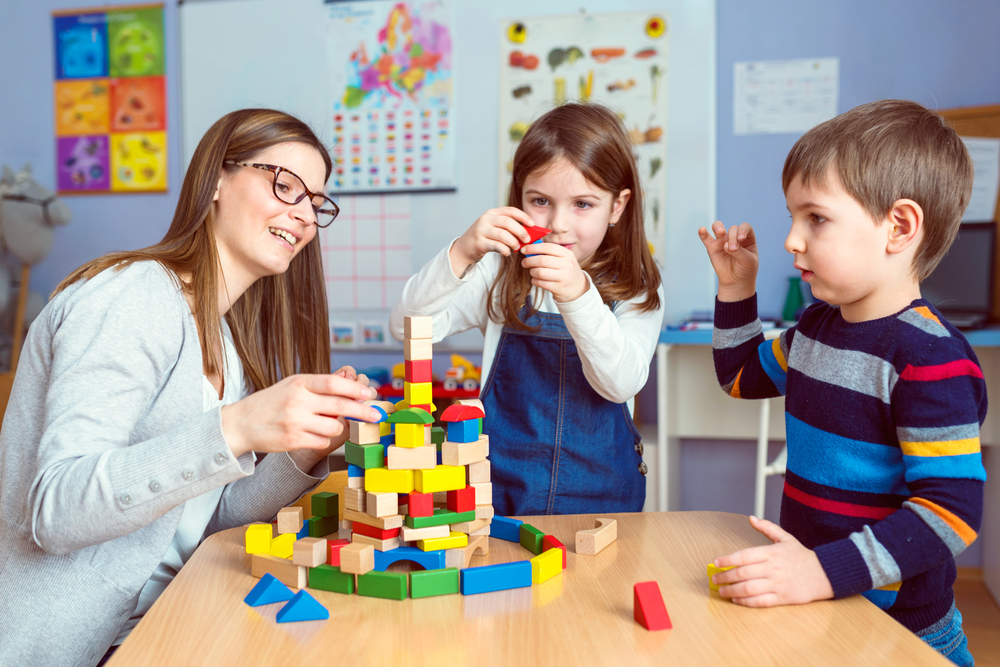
103	440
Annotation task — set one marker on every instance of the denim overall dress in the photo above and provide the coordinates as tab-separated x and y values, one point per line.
556	445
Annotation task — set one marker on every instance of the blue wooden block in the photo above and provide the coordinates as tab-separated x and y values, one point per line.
506	529
388	439
304	532
463	431
268	590
430	560
355	471
304	607
439	458
501	577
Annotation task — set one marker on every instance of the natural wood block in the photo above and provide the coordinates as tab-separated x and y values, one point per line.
363	433
417	349
418	326
377	544
469	526
380	505
290	519
485	511
309	551
478	472
357	558
484	493
485	530
356	483
591	542
413	534
384	523
412	458
354	499
464	453
282	569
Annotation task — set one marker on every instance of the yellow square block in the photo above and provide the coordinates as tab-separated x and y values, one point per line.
283	545
454	541
383	480
417	393
411	435
384	428
711	570
546	565
258	538
442	478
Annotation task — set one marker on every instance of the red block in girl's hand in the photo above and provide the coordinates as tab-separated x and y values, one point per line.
535	233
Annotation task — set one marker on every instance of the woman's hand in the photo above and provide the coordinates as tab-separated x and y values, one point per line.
555	268
498	230
734	258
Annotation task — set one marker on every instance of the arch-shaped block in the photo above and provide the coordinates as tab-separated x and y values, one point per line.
429	560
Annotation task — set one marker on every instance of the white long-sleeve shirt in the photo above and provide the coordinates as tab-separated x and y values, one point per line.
615	347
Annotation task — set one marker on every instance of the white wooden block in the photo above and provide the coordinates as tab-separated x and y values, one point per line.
484	493
464	453
356	482
309	551
290	520
485	531
363	433
478	472
411	458
354	499
381	505
417	349
418	326
413	534
469	526
484	511
591	542
379	545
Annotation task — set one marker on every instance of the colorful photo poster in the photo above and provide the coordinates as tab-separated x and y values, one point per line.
393	95
618	60
110	100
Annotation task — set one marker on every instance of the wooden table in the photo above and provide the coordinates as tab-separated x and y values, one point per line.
581	617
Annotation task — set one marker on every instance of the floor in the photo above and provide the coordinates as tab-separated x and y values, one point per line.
980	618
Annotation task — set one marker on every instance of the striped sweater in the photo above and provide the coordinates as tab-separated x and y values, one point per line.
884	479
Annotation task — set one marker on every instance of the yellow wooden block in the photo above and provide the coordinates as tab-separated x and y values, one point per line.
712	570
453	541
442	478
411	435
417	393
258	538
546	565
384	428
283	545
383	480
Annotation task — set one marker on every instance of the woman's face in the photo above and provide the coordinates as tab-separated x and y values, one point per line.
257	234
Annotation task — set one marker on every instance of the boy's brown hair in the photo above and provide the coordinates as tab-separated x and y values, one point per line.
886	151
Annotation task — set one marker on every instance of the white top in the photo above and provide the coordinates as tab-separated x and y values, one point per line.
198	511
615	347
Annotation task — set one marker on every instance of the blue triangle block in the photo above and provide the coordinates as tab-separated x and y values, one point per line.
268	590
302	607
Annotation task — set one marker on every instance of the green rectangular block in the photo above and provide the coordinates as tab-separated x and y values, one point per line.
330	578
440	518
388	585
531	538
321	526
326	504
365	456
434	582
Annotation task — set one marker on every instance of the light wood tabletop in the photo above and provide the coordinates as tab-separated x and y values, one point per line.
581	617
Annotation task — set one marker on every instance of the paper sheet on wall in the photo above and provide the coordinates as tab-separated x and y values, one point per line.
985	154
784	96
619	60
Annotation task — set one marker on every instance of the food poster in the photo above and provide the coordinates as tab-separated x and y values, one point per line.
392	81
110	100
619	60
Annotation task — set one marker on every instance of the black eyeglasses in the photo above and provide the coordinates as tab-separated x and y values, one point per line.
44	203
290	189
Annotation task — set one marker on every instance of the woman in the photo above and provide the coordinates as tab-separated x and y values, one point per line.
149	381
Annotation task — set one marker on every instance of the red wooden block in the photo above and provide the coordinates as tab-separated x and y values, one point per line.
372	531
333	551
549	542
534	233
421	504
462	500
649	609
418	371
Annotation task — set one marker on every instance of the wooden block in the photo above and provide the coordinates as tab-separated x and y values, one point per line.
476	473
257	538
283	545
464	453
439	518
591	542
501	577
333	548
377	533
550	542
387	585
485	512
648	607
531	538
354	499
417	349
356	483
364	456
382	523
469	526
383	480
430	532
506	528
411	458
418	326
331	578
282	569
321	526
363	433
462	500
309	551
442	478
440	499
411	435
388	407
302	607
453	541
485	530
460	558
437	437
377	544
418	371
325	504
417	393
484	493
381	504
464	431
268	591
420	504
434	582
545	565
712	570
357	558
290	519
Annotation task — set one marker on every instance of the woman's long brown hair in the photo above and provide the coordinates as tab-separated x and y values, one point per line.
592	139
280	325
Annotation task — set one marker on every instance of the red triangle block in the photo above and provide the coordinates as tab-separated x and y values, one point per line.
649	610
535	233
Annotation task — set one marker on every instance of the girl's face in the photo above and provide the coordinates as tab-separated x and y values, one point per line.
558	197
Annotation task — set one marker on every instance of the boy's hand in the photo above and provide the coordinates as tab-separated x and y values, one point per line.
783	573
734	258
555	268
498	230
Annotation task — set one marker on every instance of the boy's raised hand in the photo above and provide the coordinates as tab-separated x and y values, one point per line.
734	258
556	269
498	230
782	573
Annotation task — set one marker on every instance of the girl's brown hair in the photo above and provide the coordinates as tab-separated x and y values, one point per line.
280	325
592	139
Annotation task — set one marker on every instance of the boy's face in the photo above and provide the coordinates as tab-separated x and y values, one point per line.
840	250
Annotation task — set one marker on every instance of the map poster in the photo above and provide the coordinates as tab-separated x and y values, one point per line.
110	100
392	86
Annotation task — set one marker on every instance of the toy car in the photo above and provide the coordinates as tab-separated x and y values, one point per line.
462	373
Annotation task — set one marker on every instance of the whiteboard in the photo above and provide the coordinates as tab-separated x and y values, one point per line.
272	53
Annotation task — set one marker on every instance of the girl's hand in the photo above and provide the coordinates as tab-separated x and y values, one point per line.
555	268
498	230
734	258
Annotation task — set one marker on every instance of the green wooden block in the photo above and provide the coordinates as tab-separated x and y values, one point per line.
330	578
326	504
438	436
434	582
388	585
480	420
321	526
531	538
441	517
365	456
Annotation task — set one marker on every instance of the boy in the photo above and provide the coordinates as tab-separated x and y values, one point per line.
884	398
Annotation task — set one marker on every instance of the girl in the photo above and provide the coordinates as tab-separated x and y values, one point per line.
130	432
570	323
